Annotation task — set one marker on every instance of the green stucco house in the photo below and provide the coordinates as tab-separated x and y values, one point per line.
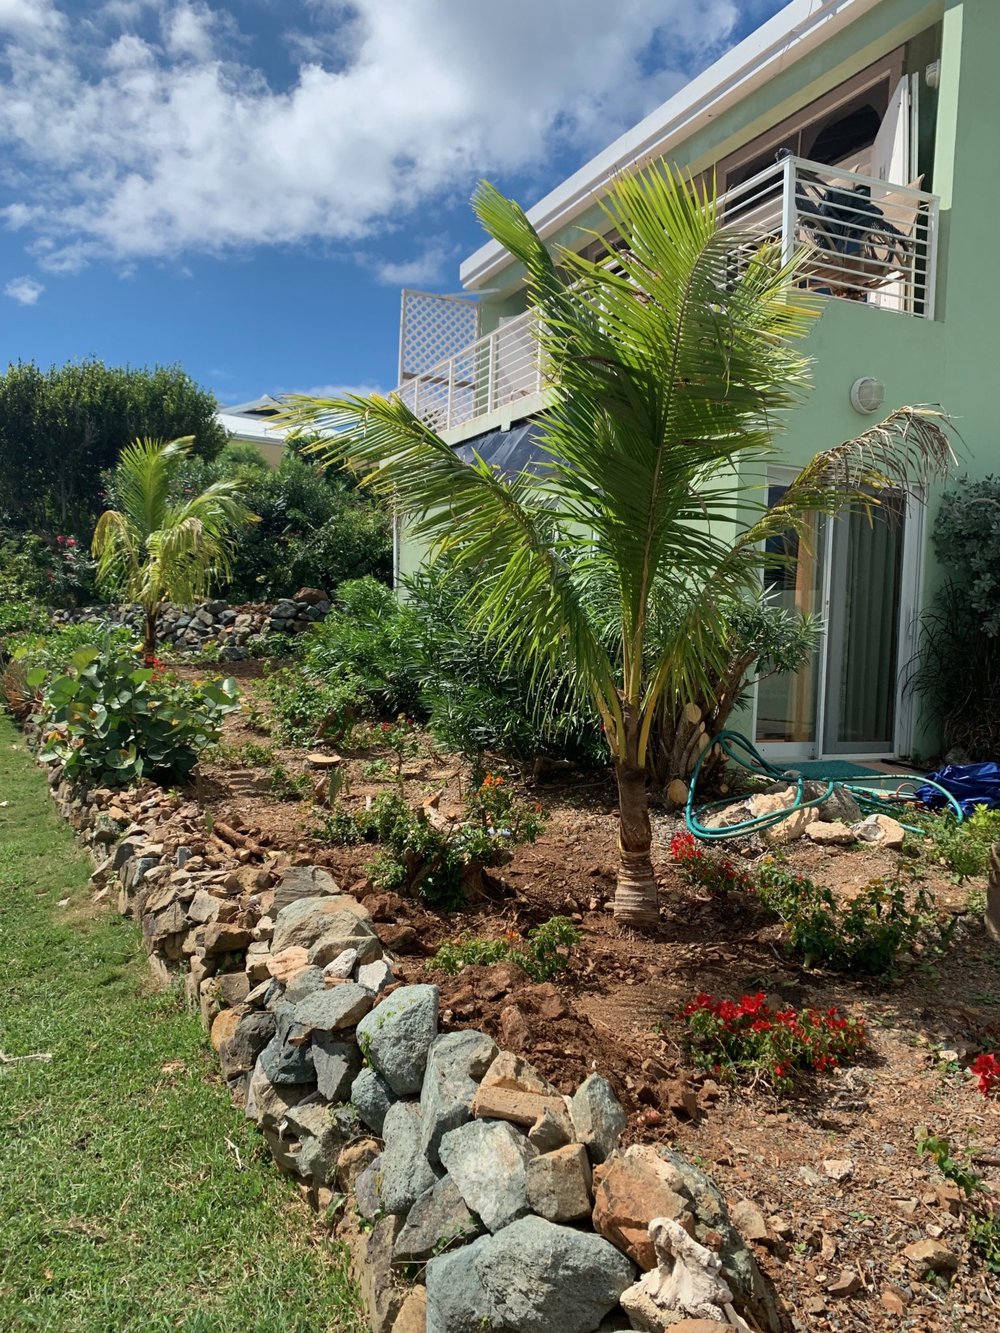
867	129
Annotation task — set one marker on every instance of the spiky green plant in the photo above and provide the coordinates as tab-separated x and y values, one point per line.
152	547
671	362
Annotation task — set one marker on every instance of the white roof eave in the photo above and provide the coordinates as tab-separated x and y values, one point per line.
790	35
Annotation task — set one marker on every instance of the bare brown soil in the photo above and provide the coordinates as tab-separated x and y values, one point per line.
615	1010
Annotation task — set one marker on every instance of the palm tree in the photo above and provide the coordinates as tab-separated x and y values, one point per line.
154	546
671	361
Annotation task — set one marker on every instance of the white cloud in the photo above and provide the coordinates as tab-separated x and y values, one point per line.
337	390
25	291
425	269
135	142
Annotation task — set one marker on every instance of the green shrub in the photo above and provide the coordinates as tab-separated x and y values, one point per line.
18	616
964	847
111	720
866	934
430	860
307	707
983	1231
544	953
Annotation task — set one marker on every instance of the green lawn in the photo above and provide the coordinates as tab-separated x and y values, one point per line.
133	1195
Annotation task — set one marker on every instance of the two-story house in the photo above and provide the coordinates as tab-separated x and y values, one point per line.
862	129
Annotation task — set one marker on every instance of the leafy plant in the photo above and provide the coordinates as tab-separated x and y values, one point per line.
152	548
866	934
307	707
434	860
964	847
747	1038
669	363
285	786
111	720
545	952
983	1231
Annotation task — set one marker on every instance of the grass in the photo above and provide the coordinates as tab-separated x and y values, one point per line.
133	1195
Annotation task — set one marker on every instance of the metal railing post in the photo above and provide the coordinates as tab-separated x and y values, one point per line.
788	210
930	269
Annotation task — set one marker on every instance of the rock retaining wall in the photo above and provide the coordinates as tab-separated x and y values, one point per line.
474	1196
233	627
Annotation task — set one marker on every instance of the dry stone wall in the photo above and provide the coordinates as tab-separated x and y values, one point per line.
473	1194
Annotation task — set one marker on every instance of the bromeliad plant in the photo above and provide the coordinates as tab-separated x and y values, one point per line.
111	720
670	360
747	1039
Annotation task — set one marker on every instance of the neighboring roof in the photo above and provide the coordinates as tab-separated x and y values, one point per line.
509	451
251	428
263	406
791	34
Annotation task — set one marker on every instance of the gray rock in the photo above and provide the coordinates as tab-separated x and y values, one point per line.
371	1097
203	907
488	1160
598	1117
305	920
381	1292
368	1189
304	982
396	1036
455	1064
302	882
406	1172
268	1103
239	1054
345	931
438	1218
532	1277
375	976
288	1057
559	1184
322	1136
330	1009
336	1064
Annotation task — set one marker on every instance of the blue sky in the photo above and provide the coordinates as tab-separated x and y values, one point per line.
243	188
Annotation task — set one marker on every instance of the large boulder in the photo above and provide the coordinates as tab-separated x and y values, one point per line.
455	1064
438	1218
371	1097
302	882
397	1036
488	1161
332	1009
304	921
598	1117
532	1277
406	1172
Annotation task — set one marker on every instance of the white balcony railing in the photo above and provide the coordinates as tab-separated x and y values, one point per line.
863	240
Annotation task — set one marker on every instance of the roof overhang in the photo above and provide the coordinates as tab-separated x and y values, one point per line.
791	35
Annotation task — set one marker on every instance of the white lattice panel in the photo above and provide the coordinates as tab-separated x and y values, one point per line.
434	328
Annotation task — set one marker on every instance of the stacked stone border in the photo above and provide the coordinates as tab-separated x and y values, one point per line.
472	1194
235	628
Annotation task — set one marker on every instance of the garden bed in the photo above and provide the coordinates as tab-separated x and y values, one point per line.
834	1171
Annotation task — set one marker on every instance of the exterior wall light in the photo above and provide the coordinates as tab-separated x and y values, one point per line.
867	394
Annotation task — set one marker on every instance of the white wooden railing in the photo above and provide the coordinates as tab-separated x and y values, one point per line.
862	239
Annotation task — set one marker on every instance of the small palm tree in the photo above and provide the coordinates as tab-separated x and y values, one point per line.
671	361
156	547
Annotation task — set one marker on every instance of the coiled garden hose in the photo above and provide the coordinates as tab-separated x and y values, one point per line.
740	750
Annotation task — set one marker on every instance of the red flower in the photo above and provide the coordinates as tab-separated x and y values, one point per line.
986	1068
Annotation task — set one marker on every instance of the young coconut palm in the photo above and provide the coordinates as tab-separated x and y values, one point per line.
155	547
670	362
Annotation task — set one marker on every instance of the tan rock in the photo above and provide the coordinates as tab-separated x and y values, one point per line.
792	828
631	1189
834	834
931	1255
769	803
883	830
412	1317
511	1071
513	1104
559	1184
353	1160
553	1129
282	966
895	1300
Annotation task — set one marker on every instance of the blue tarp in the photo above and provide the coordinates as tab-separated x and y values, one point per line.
970	784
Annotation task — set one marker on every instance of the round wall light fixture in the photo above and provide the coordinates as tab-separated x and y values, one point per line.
867	394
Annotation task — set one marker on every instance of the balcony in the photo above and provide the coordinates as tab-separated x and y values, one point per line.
861	240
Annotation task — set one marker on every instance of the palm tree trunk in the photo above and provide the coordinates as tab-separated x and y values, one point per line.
149	634
635	895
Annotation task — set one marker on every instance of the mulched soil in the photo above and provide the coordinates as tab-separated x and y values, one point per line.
615	1011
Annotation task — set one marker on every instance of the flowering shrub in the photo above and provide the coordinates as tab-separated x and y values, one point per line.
746	1037
986	1069
545	952
307	708
705	869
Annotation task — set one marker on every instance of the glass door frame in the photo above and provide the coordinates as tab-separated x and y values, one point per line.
907	631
